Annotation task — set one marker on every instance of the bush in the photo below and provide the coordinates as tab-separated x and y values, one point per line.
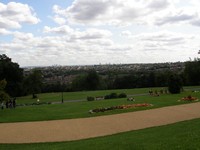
122	95
89	98
111	96
114	95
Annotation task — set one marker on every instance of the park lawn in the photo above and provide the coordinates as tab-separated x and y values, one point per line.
72	110
179	136
56	97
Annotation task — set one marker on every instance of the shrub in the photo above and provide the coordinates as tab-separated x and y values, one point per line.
111	96
89	98
114	95
122	95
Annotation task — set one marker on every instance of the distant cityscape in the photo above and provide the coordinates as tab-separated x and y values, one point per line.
66	74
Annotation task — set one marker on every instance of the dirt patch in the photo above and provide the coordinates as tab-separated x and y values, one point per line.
76	129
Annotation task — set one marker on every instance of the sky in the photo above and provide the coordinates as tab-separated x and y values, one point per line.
89	32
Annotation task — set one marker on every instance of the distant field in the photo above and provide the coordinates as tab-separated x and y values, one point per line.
71	110
179	136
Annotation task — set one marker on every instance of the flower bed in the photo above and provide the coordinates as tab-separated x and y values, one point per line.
189	98
119	107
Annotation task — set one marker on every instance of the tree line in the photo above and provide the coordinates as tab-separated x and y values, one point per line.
15	83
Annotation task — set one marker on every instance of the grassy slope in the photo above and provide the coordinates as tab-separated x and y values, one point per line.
80	109
52	97
180	136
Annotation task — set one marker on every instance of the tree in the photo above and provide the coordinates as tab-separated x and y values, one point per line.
3	95
33	83
192	72
92	80
78	84
13	74
174	84
89	81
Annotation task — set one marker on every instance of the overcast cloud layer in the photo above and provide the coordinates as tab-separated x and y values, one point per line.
100	31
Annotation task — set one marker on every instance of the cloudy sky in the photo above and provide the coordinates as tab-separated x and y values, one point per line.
85	32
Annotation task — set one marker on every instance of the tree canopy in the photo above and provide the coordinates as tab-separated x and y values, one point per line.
13	74
3	95
192	72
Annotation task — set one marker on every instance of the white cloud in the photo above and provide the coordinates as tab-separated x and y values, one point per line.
59	30
59	20
83	37
163	40
177	16
129	12
90	33
4	32
13	14
110	11
158	4
126	33
87	49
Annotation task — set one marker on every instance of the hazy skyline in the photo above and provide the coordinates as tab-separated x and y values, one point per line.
85	32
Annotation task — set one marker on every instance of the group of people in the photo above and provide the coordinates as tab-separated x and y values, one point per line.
9	104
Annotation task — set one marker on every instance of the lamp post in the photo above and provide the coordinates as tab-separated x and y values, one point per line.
62	101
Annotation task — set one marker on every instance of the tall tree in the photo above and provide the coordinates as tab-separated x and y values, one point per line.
92	80
33	82
174	84
13	74
192	72
3	95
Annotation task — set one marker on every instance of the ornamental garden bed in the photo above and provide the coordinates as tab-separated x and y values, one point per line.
97	110
189	98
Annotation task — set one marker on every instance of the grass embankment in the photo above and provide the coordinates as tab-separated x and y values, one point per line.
80	109
179	136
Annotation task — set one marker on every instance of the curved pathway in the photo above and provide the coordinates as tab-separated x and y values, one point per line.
76	129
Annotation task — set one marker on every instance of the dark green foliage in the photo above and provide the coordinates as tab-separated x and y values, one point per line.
122	95
174	84
115	95
89	98
78	83
33	82
89	81
92	80
13	74
192	72
111	96
3	95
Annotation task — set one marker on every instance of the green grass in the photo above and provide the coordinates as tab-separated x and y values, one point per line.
80	109
56	97
180	136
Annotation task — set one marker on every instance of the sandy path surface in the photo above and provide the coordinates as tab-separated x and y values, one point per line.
76	129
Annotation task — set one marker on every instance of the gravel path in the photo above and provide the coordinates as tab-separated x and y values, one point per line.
76	129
